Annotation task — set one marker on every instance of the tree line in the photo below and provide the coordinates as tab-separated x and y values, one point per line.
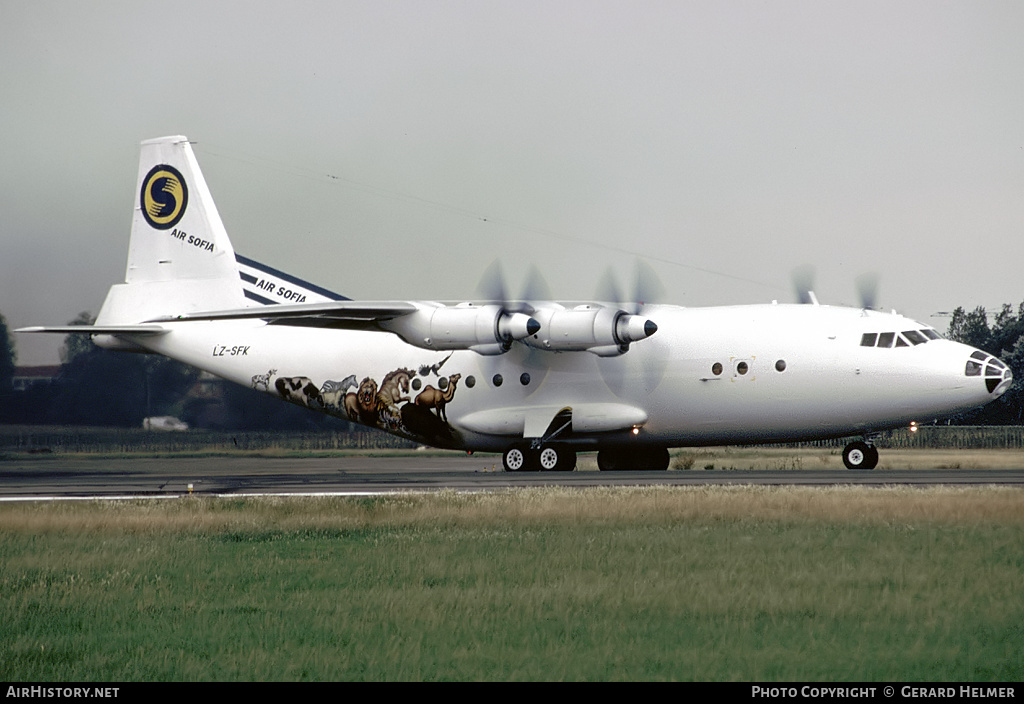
99	387
117	389
1003	338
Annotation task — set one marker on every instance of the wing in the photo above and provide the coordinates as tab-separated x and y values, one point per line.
341	314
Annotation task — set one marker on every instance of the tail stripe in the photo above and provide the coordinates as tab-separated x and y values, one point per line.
267	286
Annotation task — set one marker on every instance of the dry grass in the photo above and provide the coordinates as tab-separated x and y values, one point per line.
653	505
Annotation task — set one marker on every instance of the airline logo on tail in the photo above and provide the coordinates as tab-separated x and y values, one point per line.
164	197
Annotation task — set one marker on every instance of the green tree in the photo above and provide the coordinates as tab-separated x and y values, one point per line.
100	387
970	328
7	358
1003	339
74	344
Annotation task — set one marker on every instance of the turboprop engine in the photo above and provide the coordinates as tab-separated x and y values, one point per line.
490	329
601	330
486	329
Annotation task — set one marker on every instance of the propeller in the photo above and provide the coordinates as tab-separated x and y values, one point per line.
803	283
867	289
492	284
634	371
647	288
513	323
493	289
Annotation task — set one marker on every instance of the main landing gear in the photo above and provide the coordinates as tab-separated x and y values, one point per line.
558	457
554	457
860	455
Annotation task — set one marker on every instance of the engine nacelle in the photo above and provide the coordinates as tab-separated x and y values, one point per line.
604	331
486	329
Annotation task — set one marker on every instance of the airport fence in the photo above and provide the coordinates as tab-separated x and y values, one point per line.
942	437
46	439
124	440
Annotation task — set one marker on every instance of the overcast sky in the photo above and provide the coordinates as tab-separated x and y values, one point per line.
395	149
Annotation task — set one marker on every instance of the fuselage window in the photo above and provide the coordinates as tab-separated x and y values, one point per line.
915	337
868	340
716	368
524	378
742	368
416	384
470	381
497	380
780	366
886	338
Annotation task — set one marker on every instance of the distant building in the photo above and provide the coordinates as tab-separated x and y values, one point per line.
27	377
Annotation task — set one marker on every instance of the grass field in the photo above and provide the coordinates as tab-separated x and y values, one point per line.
750	584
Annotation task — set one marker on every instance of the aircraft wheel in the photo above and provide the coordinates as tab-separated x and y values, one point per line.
557	458
646	459
549	458
514	459
860	455
610	460
656	459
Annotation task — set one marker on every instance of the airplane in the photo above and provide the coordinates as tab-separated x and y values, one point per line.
536	380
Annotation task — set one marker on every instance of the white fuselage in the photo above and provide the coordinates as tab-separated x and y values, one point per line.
719	375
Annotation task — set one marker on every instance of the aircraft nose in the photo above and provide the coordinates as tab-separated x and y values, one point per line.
996	375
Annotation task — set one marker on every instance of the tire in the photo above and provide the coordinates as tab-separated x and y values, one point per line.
549	458
556	458
568	463
649	459
611	460
656	459
514	459
860	455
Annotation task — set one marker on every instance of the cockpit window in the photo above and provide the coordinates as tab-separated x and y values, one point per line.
904	339
973	368
979	355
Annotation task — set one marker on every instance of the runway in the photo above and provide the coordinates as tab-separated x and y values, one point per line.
226	476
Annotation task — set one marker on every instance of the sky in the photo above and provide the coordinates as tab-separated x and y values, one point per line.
395	149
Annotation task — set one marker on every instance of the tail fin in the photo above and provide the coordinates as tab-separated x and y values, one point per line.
180	259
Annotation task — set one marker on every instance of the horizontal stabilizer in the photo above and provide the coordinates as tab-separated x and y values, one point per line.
100	329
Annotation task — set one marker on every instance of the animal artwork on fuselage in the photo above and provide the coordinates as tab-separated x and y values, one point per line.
388	405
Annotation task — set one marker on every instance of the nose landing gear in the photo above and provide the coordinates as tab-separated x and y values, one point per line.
860	455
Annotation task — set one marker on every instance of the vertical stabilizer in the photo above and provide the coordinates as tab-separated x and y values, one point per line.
179	258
